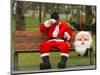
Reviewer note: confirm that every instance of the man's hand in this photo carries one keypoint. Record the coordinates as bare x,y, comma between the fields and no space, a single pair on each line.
66,35
49,22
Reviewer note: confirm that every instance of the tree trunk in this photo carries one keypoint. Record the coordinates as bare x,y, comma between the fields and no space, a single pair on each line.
40,9
44,11
33,8
88,11
20,22
78,19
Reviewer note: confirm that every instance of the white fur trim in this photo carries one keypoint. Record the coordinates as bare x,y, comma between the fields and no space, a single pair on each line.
66,35
44,54
65,54
49,22
53,20
58,40
55,32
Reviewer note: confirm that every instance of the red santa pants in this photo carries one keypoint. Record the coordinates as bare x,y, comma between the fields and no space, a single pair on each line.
46,47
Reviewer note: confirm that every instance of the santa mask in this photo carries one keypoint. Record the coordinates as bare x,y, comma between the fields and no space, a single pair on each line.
83,41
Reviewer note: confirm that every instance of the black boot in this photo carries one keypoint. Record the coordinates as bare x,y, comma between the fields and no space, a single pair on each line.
46,63
62,63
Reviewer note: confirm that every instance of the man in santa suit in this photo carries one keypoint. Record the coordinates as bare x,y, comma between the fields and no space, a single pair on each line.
59,33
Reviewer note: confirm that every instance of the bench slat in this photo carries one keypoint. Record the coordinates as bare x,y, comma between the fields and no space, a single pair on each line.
25,50
29,39
26,46
24,33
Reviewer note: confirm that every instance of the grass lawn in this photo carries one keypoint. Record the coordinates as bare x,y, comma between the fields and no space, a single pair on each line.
32,60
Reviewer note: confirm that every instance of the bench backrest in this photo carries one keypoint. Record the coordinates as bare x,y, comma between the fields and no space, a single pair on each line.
30,41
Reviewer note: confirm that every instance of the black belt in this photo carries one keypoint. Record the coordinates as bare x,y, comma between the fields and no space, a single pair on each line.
59,38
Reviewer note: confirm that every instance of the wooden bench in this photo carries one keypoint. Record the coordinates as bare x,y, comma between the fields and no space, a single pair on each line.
28,42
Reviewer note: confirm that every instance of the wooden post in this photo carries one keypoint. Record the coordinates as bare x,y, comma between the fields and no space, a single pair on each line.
91,56
15,61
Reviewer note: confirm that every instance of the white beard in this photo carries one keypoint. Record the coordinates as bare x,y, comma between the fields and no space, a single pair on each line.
79,48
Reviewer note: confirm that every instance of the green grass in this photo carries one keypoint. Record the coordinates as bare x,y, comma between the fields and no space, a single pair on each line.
32,60
32,24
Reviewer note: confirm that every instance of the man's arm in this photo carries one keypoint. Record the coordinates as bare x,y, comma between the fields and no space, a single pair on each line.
68,33
44,26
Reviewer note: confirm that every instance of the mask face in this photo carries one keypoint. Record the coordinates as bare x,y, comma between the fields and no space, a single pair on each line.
83,41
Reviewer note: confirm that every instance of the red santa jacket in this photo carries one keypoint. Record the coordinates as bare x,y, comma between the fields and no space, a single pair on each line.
63,27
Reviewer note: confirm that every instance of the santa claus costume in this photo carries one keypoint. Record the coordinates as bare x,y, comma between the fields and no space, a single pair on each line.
57,33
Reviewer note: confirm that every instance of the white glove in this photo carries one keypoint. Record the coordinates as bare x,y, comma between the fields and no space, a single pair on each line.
49,22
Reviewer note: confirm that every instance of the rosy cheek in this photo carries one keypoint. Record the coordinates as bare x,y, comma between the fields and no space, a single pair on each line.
79,39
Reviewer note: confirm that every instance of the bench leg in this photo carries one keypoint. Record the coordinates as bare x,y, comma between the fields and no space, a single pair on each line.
15,61
91,56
